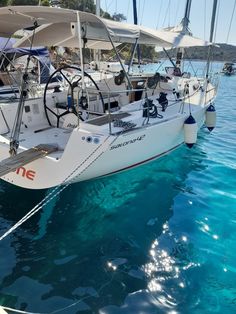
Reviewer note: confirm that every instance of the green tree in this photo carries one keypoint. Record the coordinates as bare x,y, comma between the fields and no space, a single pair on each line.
23,2
45,2
81,5
105,15
3,3
119,17
148,52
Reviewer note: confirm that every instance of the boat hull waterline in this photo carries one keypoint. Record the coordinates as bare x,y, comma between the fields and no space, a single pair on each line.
102,154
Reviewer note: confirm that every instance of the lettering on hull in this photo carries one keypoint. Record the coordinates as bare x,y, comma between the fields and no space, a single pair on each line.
139,138
28,174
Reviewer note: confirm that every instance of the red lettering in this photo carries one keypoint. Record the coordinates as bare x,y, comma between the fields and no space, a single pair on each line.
28,174
22,170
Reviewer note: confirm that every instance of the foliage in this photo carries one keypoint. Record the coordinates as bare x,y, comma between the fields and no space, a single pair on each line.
105,15
89,6
81,5
148,53
119,17
23,2
223,52
45,2
3,3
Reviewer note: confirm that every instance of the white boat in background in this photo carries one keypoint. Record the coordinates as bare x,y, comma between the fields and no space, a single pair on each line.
95,128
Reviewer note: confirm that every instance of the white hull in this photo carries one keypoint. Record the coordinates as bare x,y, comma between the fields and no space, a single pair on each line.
103,154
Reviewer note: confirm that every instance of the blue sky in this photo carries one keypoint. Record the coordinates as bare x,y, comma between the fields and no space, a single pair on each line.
162,13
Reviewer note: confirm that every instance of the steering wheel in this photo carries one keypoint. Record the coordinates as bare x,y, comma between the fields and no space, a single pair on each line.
72,81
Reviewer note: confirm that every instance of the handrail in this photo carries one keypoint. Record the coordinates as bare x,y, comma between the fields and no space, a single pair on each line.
5,120
185,98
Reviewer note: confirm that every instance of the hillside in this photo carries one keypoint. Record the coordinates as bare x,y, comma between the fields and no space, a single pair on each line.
224,52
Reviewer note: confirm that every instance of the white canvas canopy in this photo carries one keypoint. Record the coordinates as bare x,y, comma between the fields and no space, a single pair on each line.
58,27
170,39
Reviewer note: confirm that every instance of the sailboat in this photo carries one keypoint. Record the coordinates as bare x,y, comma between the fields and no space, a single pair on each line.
94,129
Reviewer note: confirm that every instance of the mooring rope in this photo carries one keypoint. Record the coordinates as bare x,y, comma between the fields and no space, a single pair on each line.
55,192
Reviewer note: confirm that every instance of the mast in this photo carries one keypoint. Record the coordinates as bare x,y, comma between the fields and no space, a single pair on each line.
213,17
185,20
98,7
135,12
136,23
185,30
96,54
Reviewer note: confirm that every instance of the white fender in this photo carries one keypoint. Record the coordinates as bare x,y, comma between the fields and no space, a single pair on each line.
210,119
190,131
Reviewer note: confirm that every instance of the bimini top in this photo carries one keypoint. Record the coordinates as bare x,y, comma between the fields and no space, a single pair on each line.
58,27
40,53
6,43
13,18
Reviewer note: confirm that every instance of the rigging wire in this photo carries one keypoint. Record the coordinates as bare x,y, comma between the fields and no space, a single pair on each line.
158,19
204,20
177,12
141,19
167,9
169,14
107,7
57,190
139,11
230,24
128,10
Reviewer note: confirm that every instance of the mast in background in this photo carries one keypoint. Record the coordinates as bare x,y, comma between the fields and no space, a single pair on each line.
96,52
136,23
185,20
185,30
213,17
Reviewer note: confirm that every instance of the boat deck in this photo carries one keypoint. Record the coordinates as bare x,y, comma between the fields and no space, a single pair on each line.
45,134
105,119
14,162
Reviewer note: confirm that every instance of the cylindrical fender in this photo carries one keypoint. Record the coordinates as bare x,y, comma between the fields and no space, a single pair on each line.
210,119
190,131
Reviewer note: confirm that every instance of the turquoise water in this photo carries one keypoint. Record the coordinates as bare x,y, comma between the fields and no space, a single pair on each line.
157,239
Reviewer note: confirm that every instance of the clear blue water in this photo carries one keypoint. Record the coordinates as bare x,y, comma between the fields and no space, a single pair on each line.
157,239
